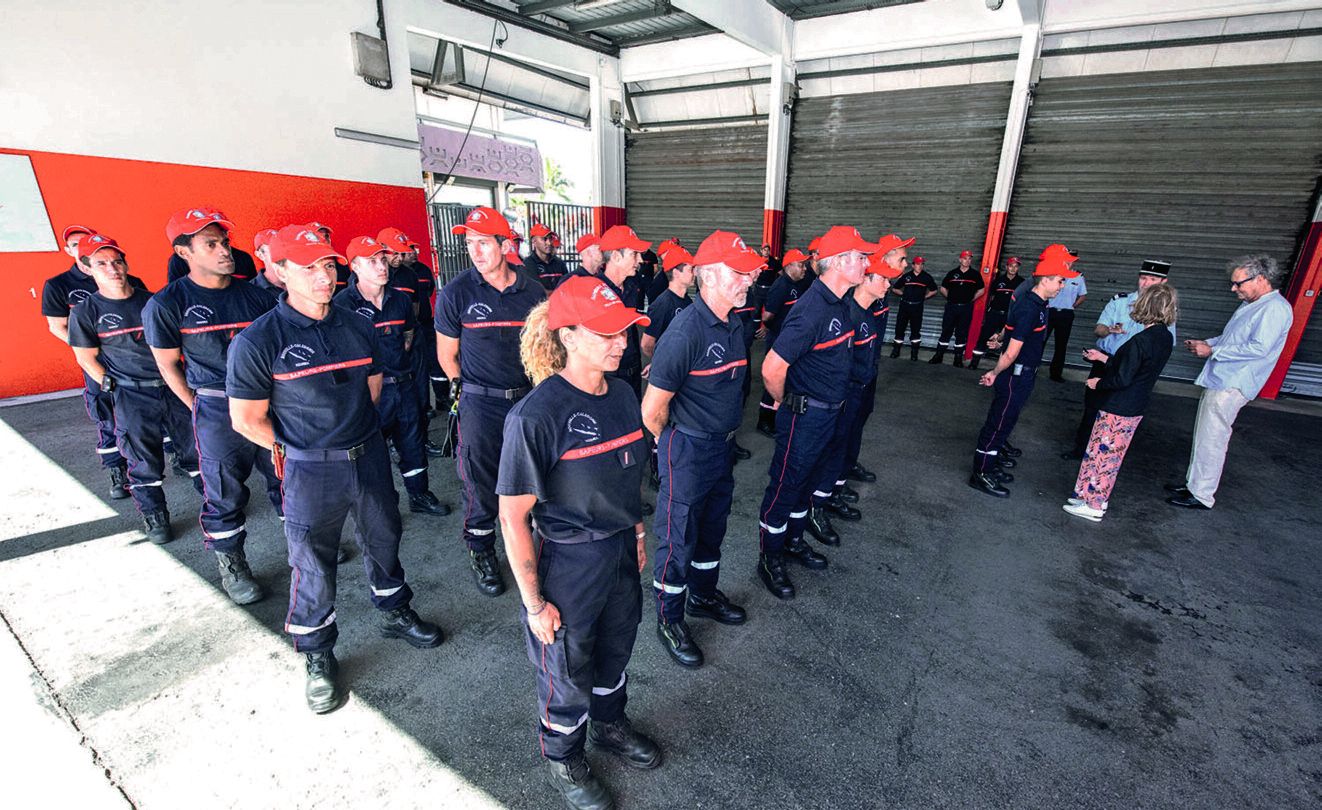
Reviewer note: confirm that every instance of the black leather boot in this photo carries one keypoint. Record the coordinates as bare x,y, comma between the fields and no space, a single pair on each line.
843,510
1001,474
717,607
938,357
819,526
913,350
861,474
323,691
678,641
846,494
1010,450
798,550
977,358
771,570
637,750
486,572
403,623
766,422
237,579
1007,462
578,785
959,358
158,527
428,504
895,352
119,483
988,483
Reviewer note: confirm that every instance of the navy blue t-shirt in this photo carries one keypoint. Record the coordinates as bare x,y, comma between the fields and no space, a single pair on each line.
201,322
868,329
61,293
913,287
313,372
784,293
114,326
747,315
1027,322
393,322
1002,290
549,272
663,310
881,310
703,361
961,285
262,283
815,341
630,293
245,269
487,323
424,289
582,456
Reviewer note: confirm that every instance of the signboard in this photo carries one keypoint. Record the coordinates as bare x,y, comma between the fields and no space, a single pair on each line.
24,226
483,157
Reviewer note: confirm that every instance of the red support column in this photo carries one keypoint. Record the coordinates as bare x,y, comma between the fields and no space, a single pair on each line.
1305,287
991,259
604,216
773,230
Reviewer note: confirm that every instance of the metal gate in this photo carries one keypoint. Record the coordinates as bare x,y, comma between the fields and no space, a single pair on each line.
451,253
687,183
568,221
1194,167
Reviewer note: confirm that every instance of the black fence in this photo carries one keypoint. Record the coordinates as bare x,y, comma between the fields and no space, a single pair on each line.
569,221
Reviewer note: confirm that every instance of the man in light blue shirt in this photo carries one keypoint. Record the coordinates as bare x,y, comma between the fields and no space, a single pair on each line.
1239,361
1060,322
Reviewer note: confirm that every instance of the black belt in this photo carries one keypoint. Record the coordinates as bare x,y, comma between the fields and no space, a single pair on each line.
357,451
122,383
800,403
702,434
498,393
211,392
398,380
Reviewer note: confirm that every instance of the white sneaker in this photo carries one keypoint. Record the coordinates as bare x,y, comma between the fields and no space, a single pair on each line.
1074,501
1085,511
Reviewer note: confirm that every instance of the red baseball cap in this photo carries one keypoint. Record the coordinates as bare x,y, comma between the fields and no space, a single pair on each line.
318,226
587,302
539,230
396,240
891,242
793,255
361,247
675,257
1013,260
555,239
814,244
302,245
622,236
842,239
263,238
666,246
919,260
727,248
1058,251
966,254
1055,267
73,229
95,242
485,221
191,220
878,267
512,255
586,241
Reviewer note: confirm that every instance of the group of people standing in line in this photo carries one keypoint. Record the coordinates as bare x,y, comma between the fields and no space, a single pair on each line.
309,368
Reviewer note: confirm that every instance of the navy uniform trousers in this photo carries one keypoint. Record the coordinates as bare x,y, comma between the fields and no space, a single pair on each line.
955,321
226,459
866,397
319,494
993,321
831,470
144,417
798,463
401,423
425,367
580,675
692,506
481,434
1012,389
910,317
100,407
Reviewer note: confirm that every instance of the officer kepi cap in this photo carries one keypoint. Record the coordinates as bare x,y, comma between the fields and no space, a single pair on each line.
587,302
191,220
73,229
362,247
396,240
1152,267
842,239
1055,267
793,255
95,242
891,242
622,236
485,221
727,248
263,238
1058,251
539,230
586,241
303,245
878,267
675,257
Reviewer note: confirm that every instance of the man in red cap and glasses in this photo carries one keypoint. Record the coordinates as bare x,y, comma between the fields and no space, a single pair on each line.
245,269
542,262
961,287
302,384
478,318
189,326
806,372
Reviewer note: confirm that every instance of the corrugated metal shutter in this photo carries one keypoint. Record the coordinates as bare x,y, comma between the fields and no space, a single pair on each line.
914,162
687,183
1194,167
1305,373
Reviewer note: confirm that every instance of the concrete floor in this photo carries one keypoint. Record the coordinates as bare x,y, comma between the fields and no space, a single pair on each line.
961,651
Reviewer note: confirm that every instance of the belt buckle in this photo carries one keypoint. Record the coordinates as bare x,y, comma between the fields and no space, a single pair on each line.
730,435
357,451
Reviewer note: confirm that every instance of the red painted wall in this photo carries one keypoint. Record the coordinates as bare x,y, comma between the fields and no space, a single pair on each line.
131,201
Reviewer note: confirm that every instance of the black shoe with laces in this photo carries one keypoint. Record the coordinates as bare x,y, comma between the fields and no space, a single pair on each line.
742,453
323,691
237,579
836,506
819,526
486,572
716,607
798,550
847,494
678,641
428,504
577,784
620,738
158,527
119,483
403,623
434,450
1010,450
988,483
771,570
861,474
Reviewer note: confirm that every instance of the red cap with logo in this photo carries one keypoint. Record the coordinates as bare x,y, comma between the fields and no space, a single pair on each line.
303,245
396,240
512,255
586,241
318,226
362,247
73,229
1012,260
675,257
666,246
842,239
966,254
618,237
727,248
919,260
485,221
191,220
539,230
263,238
891,242
793,255
1055,267
587,302
878,267
95,242
1060,252
814,244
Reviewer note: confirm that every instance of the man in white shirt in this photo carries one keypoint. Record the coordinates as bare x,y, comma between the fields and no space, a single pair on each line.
1060,322
1239,361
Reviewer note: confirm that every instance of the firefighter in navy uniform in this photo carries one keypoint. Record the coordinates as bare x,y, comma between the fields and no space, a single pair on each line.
679,270
302,381
913,288
622,251
807,372
266,279
998,306
105,331
415,279
478,318
785,291
961,287
1015,374
245,269
59,295
890,266
692,407
390,312
542,261
189,326
573,462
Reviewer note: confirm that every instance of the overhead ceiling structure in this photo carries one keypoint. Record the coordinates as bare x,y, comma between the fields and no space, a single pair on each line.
805,9
605,25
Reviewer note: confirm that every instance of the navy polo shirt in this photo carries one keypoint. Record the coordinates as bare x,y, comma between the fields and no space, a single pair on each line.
245,269
582,456
784,293
61,293
202,322
1027,322
914,286
548,272
815,341
881,310
115,328
1002,290
313,372
962,285
261,283
702,360
748,317
663,312
487,323
631,294
868,330
393,323
424,289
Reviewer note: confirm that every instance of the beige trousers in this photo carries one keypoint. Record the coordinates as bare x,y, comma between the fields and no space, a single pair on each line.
1211,435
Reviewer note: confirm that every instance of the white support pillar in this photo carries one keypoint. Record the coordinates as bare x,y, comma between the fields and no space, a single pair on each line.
779,117
607,91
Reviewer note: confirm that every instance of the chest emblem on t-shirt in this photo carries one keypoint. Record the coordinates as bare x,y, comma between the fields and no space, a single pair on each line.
715,353
200,314
793,293
584,425
479,311
366,312
76,297
110,320
834,326
298,353
863,329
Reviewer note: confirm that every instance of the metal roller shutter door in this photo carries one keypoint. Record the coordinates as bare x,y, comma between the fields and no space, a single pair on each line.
914,162
1192,166
687,183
